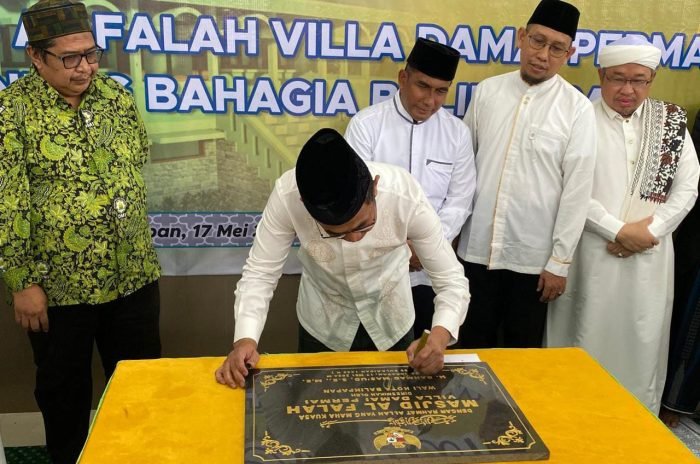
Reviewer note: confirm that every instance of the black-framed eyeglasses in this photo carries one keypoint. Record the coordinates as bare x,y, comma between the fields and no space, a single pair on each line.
361,230
73,60
621,82
538,43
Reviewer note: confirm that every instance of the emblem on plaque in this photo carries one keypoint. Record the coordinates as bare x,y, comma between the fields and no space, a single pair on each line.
396,437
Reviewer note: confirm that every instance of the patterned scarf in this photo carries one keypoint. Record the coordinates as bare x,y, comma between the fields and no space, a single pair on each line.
663,133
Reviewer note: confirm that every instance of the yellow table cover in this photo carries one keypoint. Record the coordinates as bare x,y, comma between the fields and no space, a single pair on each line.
173,411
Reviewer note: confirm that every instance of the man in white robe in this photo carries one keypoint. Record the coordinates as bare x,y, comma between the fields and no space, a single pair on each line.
618,306
534,138
414,131
352,220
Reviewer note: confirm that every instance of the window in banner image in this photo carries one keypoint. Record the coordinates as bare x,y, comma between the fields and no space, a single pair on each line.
177,151
11,58
247,66
181,66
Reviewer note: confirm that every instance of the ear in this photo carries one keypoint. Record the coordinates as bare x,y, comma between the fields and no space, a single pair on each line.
571,51
403,77
522,35
35,56
601,73
375,183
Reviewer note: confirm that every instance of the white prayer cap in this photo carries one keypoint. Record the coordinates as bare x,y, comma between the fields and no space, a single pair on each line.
630,49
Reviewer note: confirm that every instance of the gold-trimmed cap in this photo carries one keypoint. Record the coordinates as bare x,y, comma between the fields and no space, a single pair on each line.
48,19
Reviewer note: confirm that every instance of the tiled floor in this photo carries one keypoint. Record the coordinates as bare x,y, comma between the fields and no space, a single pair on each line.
27,455
689,433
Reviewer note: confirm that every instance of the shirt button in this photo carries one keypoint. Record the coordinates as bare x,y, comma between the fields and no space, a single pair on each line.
525,100
630,142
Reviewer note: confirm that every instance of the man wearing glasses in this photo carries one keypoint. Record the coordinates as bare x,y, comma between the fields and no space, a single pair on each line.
646,179
75,246
534,138
352,220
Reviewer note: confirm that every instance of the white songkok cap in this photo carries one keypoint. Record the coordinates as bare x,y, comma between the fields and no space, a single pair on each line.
630,49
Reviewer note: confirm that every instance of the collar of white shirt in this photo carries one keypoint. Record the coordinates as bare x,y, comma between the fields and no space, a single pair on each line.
612,114
402,111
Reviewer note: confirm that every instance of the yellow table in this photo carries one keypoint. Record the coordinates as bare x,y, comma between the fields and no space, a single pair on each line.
173,411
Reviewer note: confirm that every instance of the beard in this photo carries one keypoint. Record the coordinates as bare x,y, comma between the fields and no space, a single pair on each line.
531,80
626,114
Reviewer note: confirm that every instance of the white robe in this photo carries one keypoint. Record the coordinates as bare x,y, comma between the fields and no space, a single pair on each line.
619,310
535,152
438,152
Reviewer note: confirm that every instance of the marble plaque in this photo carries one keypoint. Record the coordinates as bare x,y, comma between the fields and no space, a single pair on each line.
381,413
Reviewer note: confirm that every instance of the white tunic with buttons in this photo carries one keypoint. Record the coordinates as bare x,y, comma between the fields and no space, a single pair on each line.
438,152
535,151
347,283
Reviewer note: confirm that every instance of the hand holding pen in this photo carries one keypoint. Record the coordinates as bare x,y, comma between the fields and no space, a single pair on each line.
421,344
427,354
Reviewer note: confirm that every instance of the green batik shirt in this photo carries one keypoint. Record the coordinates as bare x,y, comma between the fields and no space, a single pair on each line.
73,213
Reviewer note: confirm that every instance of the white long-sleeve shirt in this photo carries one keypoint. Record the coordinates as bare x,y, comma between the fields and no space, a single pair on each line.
346,283
535,153
438,152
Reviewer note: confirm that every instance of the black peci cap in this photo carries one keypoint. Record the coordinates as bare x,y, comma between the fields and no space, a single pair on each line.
557,15
434,59
332,179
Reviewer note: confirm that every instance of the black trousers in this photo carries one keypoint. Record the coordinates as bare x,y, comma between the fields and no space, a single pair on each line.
423,304
126,328
505,309
362,342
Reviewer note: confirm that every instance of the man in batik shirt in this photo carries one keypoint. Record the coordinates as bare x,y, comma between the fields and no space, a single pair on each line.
75,246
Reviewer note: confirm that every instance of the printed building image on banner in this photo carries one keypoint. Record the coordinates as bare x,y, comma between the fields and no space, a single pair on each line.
231,89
